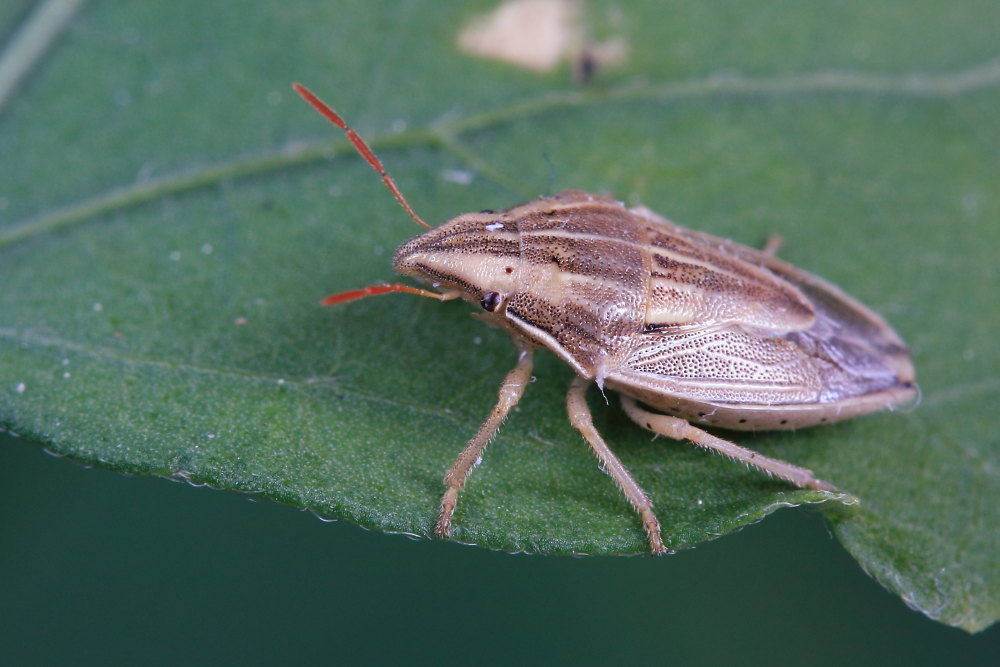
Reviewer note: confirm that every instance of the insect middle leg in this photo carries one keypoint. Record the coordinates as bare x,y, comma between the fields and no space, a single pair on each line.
579,416
773,244
509,395
680,429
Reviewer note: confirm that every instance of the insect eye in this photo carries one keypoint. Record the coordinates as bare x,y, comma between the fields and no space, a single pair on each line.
491,301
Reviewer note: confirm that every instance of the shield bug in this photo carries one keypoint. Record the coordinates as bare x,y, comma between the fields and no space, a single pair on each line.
691,330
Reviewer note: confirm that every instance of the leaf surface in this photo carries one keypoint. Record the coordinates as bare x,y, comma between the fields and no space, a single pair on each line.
171,214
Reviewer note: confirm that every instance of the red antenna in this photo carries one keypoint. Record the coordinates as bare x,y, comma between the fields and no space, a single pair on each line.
362,147
370,158
374,290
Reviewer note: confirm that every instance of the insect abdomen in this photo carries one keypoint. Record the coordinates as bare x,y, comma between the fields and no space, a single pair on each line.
736,374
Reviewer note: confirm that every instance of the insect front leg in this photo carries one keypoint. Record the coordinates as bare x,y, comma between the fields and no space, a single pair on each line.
680,429
509,395
579,416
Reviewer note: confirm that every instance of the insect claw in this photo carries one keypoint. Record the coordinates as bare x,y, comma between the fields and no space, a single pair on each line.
820,485
448,502
655,541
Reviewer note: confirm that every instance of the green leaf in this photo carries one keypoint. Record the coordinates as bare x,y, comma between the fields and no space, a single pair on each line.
170,216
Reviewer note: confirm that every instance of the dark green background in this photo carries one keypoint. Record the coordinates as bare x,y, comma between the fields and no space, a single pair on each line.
101,568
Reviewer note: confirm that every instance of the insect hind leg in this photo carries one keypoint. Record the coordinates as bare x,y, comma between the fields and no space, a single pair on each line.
579,416
680,429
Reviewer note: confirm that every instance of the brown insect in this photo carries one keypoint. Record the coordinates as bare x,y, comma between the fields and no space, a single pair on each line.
702,330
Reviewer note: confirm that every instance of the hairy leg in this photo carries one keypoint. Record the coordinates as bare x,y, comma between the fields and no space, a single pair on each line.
579,416
680,429
509,395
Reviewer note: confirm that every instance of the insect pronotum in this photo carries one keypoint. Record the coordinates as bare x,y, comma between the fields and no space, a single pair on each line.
686,327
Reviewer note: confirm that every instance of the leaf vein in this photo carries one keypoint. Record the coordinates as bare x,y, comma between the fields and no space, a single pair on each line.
442,133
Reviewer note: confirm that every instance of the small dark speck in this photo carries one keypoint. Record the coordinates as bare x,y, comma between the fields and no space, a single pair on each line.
743,421
783,422
586,67
488,211
508,269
